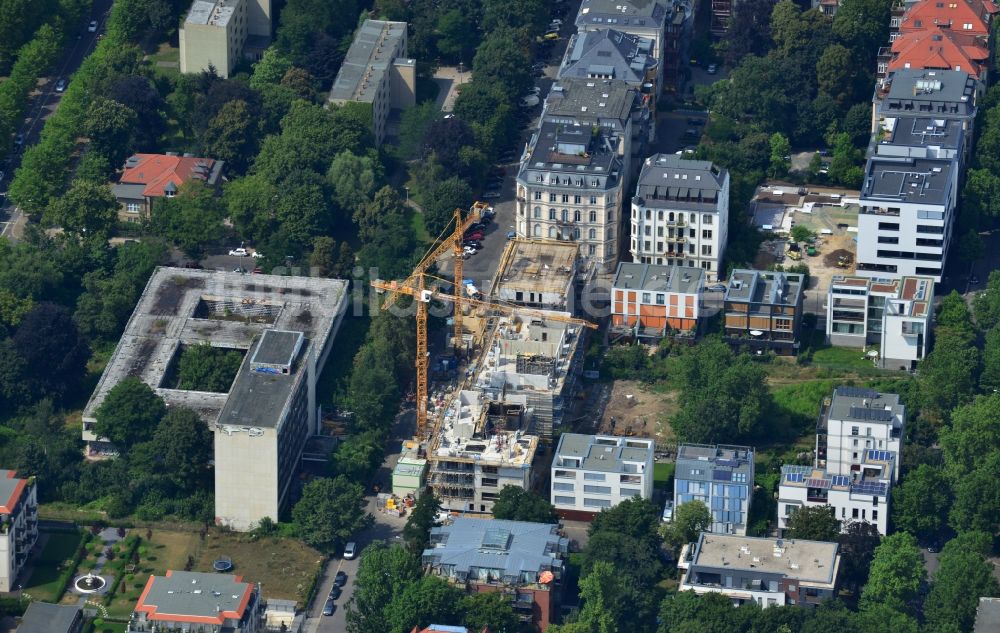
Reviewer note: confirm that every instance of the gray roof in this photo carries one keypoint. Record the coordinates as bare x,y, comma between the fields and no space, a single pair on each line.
604,453
865,405
917,180
922,131
815,561
710,459
189,593
576,151
128,191
672,182
987,616
624,14
656,278
608,52
211,12
42,617
759,286
277,347
259,396
375,46
947,93
607,102
512,547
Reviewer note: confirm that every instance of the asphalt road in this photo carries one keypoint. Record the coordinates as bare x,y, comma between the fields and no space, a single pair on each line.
42,103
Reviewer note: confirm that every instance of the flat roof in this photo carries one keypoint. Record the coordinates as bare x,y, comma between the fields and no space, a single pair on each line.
277,347
601,100
917,131
797,476
668,181
375,46
258,395
211,12
42,617
195,597
464,433
807,561
604,453
917,293
183,306
576,151
515,548
713,462
658,278
987,616
857,404
648,14
916,180
539,266
766,287
929,92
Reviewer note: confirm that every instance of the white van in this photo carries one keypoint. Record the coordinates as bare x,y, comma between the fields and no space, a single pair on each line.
350,550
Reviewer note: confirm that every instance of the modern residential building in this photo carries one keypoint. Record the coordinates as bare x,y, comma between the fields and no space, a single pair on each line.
481,447
377,71
537,274
679,29
608,53
42,617
570,187
855,420
594,472
646,19
18,526
719,476
911,136
860,496
941,94
763,310
680,214
285,327
523,560
194,601
937,48
907,216
147,177
987,616
893,314
220,34
648,301
770,572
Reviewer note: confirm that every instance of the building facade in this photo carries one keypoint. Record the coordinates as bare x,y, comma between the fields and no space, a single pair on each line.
853,421
719,476
18,526
523,560
938,94
593,472
378,72
42,617
220,34
680,214
763,570
537,274
894,314
148,177
648,301
763,310
198,603
646,19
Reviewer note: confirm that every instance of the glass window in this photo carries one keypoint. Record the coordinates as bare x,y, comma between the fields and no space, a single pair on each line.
596,503
552,214
562,485
593,476
601,490
568,501
631,492
592,234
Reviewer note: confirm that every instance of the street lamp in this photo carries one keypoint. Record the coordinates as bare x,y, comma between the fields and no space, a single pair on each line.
407,189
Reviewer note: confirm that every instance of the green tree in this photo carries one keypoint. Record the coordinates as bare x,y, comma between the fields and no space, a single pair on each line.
110,126
301,82
358,456
690,520
989,380
354,180
331,260
947,376
250,205
981,196
88,207
844,167
527,16
129,414
602,594
897,572
972,436
457,36
986,305
502,59
383,575
963,576
802,233
858,542
54,355
183,443
837,73
417,532
426,601
202,367
780,155
231,136
492,609
517,504
270,69
953,312
920,503
385,233
815,523
330,512
191,219
977,498
864,26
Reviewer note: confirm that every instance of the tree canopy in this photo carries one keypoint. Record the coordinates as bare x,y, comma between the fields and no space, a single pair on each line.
330,512
517,504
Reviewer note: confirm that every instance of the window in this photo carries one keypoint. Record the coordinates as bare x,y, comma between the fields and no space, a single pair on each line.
564,474
552,214
565,215
490,482
538,230
888,226
576,215
538,213
593,200
706,219
631,492
706,234
854,513
552,232
600,490
596,503
576,199
538,195
552,197
566,501
855,430
565,198
592,234
661,299
591,250
593,216
133,207
562,485
874,515
593,476
885,239
646,297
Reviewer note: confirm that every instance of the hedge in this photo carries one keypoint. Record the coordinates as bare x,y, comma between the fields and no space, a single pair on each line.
118,565
70,572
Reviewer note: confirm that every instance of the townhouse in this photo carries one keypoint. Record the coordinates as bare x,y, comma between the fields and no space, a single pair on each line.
719,476
648,301
593,472
763,310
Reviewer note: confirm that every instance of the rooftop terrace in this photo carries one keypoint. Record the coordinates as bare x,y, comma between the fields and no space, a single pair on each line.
807,561
539,266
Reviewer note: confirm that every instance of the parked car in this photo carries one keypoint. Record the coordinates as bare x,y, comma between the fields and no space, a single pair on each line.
511,235
256,254
712,69
92,27
556,21
491,195
716,288
335,592
340,579
19,140
60,85
329,607
530,101
350,550
473,244
474,237
487,220
238,252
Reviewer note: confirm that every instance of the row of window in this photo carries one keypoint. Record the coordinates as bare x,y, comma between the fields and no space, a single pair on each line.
930,257
566,180
564,216
565,198
706,218
647,230
921,228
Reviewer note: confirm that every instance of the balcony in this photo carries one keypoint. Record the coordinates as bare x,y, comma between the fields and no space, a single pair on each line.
883,211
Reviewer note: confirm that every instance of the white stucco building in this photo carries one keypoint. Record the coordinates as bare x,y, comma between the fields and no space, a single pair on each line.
854,420
594,472
18,525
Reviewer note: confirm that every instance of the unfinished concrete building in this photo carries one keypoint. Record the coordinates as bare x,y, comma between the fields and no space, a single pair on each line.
481,447
537,274
284,326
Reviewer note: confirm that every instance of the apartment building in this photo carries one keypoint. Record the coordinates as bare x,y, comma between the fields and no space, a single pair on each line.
680,214
593,472
894,314
18,526
220,34
148,177
770,572
42,617
570,187
520,559
969,17
537,274
377,71
855,420
763,310
719,476
911,136
938,94
194,601
680,26
907,216
937,48
648,301
646,19
481,447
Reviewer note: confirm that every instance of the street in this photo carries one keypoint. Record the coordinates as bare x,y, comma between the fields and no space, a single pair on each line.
42,103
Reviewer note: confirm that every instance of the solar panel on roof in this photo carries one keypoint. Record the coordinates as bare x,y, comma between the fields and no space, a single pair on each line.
731,463
721,475
856,392
818,483
841,480
870,488
795,478
874,415
878,456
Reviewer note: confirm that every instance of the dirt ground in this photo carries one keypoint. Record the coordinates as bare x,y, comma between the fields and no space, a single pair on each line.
638,411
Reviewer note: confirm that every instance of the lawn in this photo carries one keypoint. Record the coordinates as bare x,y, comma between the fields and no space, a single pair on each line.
663,472
417,225
164,550
44,583
166,60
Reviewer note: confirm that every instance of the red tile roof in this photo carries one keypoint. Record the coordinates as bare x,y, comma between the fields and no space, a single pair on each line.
937,48
953,14
15,494
156,171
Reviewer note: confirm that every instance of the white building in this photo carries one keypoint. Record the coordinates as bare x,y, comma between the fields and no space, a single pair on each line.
18,525
719,476
894,314
642,18
680,214
853,421
861,496
594,472
221,33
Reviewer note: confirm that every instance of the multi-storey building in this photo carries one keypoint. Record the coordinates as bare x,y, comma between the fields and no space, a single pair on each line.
719,476
570,187
855,420
222,33
907,216
911,136
680,214
537,274
969,17
936,48
763,310
895,314
520,559
148,177
938,94
377,71
722,13
642,18
679,23
766,571
593,472
18,525
648,300
197,602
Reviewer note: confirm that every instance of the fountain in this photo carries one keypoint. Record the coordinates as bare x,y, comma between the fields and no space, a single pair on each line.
89,583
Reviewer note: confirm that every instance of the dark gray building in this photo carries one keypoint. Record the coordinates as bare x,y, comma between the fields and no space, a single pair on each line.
42,617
